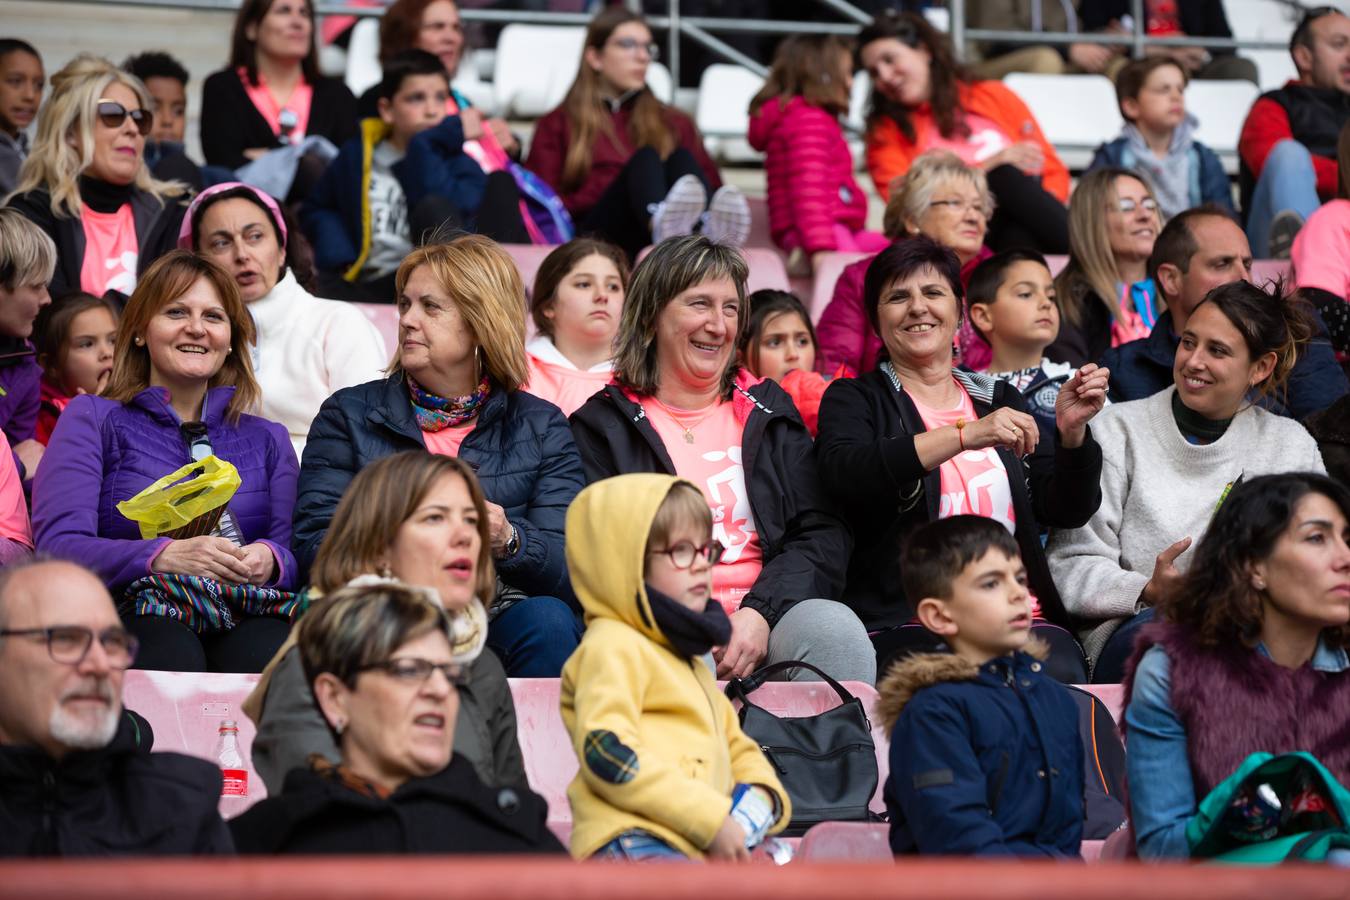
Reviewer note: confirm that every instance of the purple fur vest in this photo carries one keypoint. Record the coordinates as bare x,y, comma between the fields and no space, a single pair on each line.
1234,702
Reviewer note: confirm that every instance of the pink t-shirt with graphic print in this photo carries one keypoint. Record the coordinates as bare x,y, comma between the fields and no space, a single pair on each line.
713,462
986,139
974,482
111,250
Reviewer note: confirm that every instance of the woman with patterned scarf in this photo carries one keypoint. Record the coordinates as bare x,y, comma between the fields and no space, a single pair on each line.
454,389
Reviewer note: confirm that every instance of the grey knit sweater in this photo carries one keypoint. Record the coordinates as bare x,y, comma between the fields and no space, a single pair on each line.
1156,490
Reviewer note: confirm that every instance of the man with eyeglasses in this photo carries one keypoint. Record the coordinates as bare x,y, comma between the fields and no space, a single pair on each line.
1288,142
74,778
1198,250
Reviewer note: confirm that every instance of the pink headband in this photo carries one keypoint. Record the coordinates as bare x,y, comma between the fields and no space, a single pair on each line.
185,230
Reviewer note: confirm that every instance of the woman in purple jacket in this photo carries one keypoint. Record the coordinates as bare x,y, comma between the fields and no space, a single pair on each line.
180,383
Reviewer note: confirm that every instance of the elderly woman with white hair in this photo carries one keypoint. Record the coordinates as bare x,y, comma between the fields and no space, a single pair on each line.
943,198
86,183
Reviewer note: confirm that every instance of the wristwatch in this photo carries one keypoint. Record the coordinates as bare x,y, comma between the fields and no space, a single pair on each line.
513,544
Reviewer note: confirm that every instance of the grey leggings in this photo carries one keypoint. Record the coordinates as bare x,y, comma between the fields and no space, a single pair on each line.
828,635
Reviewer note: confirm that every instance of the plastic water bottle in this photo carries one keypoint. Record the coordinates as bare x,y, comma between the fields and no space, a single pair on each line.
234,789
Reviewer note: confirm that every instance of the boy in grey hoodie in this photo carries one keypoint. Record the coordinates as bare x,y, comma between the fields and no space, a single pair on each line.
1158,141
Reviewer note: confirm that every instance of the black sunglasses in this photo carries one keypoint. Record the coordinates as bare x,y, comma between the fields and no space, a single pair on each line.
113,114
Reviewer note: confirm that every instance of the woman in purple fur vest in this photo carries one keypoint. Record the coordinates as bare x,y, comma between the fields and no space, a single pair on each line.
1250,654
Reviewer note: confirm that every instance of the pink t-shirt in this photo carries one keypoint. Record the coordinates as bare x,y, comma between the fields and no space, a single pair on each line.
985,139
1321,251
447,441
713,462
111,250
566,387
263,101
14,522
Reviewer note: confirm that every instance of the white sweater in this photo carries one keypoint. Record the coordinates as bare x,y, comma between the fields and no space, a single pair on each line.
1157,489
307,349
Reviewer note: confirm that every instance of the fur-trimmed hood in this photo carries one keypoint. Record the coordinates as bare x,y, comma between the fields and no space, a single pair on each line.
912,674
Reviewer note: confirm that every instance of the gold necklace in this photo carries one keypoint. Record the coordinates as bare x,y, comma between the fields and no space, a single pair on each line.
688,429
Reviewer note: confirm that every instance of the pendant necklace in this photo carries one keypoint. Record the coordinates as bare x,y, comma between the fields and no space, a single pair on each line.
688,429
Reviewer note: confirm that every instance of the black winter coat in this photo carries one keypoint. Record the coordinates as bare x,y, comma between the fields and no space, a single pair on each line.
118,801
521,449
157,222
803,540
865,445
231,123
449,812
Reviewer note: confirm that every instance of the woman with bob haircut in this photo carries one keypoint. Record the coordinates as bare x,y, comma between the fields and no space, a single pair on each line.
630,169
386,668
1105,295
181,382
1168,460
923,99
681,404
86,183
454,388
27,261
1249,655
409,516
576,303
949,201
917,439
271,94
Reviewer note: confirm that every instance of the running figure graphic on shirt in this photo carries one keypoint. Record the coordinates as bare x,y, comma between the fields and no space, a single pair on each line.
978,486
727,488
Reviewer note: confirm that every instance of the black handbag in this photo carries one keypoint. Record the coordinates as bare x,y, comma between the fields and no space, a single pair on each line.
827,762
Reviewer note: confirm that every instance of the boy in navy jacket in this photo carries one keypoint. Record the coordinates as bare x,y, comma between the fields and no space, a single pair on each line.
985,754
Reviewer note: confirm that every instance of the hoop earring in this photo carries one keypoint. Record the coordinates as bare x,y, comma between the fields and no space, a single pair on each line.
478,365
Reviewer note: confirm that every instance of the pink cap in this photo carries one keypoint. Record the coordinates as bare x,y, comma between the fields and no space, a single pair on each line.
185,230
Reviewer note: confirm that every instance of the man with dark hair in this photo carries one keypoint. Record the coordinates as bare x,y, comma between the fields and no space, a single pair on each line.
1197,251
75,779
1288,142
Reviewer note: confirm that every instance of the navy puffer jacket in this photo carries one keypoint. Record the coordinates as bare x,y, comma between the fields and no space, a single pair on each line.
521,448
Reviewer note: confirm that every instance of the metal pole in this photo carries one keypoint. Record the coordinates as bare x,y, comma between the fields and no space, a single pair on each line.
1137,12
958,27
848,11
717,45
674,47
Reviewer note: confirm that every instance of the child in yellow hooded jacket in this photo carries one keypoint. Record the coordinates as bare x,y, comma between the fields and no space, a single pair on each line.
665,768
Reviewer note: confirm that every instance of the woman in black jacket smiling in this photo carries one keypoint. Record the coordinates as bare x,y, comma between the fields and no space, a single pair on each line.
681,405
455,390
916,440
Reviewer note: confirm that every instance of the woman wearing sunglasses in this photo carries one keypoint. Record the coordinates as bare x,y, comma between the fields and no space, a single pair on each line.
1106,296
386,673
87,186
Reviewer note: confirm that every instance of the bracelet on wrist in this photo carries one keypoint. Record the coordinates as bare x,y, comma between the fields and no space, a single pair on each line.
961,432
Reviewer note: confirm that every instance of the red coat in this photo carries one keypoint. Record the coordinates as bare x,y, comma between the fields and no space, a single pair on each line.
810,175
553,135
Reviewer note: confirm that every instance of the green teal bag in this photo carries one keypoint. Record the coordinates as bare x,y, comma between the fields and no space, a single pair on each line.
1272,809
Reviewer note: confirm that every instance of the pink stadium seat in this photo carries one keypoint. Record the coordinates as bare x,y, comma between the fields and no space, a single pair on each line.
528,258
846,842
385,317
831,266
185,710
550,761
759,223
767,271
1111,695
1264,270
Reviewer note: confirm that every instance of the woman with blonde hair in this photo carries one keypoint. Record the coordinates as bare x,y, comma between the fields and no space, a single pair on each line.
86,183
630,168
1105,295
454,388
410,516
27,261
943,198
181,383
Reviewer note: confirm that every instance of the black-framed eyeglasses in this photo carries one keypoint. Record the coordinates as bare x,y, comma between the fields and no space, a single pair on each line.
412,670
287,121
69,644
633,45
683,554
1128,205
113,114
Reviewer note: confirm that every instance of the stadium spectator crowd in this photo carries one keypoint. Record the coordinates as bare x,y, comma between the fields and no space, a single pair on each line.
987,469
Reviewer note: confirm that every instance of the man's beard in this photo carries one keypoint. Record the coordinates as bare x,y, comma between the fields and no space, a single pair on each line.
90,731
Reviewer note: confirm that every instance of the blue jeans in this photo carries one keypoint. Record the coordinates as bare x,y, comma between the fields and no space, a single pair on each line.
638,846
1287,182
533,637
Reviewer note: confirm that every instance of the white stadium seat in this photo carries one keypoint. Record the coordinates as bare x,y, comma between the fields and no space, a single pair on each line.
363,56
1221,107
535,66
1076,112
724,95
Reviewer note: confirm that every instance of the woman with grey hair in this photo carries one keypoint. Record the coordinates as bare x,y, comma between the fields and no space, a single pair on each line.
27,260
681,405
385,669
86,183
943,198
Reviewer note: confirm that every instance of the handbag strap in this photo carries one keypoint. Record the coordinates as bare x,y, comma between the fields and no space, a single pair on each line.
741,688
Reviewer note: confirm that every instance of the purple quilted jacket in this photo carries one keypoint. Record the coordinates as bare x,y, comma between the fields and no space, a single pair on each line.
103,452
19,378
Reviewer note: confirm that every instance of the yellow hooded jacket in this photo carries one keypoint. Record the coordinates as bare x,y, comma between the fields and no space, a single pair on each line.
659,745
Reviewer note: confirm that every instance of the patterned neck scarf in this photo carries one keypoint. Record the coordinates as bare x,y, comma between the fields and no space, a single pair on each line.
437,413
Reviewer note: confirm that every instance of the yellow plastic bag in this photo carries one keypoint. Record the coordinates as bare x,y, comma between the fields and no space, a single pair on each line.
186,503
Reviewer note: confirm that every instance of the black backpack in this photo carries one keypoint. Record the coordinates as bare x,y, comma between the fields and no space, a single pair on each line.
1103,767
